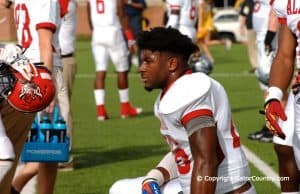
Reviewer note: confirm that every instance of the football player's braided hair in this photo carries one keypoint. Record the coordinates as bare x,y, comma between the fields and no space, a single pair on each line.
167,39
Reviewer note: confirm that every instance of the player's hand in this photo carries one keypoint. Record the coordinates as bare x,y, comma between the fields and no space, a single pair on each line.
274,111
296,85
150,186
24,67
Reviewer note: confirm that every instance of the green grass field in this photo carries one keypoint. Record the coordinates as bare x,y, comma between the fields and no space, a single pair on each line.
120,148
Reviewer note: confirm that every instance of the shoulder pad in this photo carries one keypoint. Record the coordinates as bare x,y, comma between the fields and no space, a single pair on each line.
184,91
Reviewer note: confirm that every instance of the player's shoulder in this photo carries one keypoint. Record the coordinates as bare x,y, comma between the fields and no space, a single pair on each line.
185,90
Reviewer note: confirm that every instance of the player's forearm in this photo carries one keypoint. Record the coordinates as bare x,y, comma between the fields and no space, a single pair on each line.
203,175
46,50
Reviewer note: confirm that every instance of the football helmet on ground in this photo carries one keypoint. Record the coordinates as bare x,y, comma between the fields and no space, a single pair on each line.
200,63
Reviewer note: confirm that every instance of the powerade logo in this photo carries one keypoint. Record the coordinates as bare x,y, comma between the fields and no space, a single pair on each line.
44,152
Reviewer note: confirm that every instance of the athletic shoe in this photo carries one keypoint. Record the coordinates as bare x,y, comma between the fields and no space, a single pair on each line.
127,110
267,137
101,113
258,134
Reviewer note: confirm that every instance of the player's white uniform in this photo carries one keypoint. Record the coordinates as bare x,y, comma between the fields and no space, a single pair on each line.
288,13
31,15
187,17
260,19
67,34
189,97
107,37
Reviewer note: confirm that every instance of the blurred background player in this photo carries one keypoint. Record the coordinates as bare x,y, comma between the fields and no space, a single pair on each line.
134,10
108,21
197,145
246,29
37,31
182,15
285,127
67,41
265,43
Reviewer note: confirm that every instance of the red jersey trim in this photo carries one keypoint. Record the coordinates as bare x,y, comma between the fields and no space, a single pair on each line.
196,113
271,2
282,20
47,25
63,7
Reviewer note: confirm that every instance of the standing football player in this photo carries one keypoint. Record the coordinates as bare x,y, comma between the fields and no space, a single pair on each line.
195,118
37,32
182,15
108,22
286,128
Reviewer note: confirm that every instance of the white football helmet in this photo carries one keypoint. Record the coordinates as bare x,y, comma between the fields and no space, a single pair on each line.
201,63
263,70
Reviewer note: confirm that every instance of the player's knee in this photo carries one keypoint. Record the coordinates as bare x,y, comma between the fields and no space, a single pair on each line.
117,187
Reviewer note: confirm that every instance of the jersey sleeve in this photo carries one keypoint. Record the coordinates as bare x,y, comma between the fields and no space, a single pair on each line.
198,115
279,10
47,18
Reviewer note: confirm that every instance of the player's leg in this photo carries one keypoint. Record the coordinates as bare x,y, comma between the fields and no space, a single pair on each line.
7,154
17,125
284,150
46,178
101,62
118,52
29,170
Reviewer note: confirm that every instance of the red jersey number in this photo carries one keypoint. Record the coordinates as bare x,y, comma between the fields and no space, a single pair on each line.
182,160
100,6
22,23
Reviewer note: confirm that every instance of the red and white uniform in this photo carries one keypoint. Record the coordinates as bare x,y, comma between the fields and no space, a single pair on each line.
260,18
67,33
187,17
31,15
107,37
178,108
288,13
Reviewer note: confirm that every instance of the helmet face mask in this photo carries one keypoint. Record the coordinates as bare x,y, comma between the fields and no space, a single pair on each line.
7,81
34,95
201,63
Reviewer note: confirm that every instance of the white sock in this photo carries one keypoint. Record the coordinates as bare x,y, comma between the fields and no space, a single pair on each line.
5,166
99,96
124,95
290,192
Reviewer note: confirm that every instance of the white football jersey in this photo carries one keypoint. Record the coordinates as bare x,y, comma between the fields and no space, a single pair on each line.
260,15
188,11
31,15
104,13
288,13
67,34
189,97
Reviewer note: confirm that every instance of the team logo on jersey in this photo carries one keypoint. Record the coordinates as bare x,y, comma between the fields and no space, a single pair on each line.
30,92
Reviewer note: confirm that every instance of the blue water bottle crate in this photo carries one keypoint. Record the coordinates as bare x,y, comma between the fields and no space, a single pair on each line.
47,140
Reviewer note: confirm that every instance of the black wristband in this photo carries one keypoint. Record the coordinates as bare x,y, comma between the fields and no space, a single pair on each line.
269,37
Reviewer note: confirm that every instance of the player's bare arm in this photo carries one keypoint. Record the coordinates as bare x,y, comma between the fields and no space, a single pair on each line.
89,15
5,3
45,44
203,145
283,65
